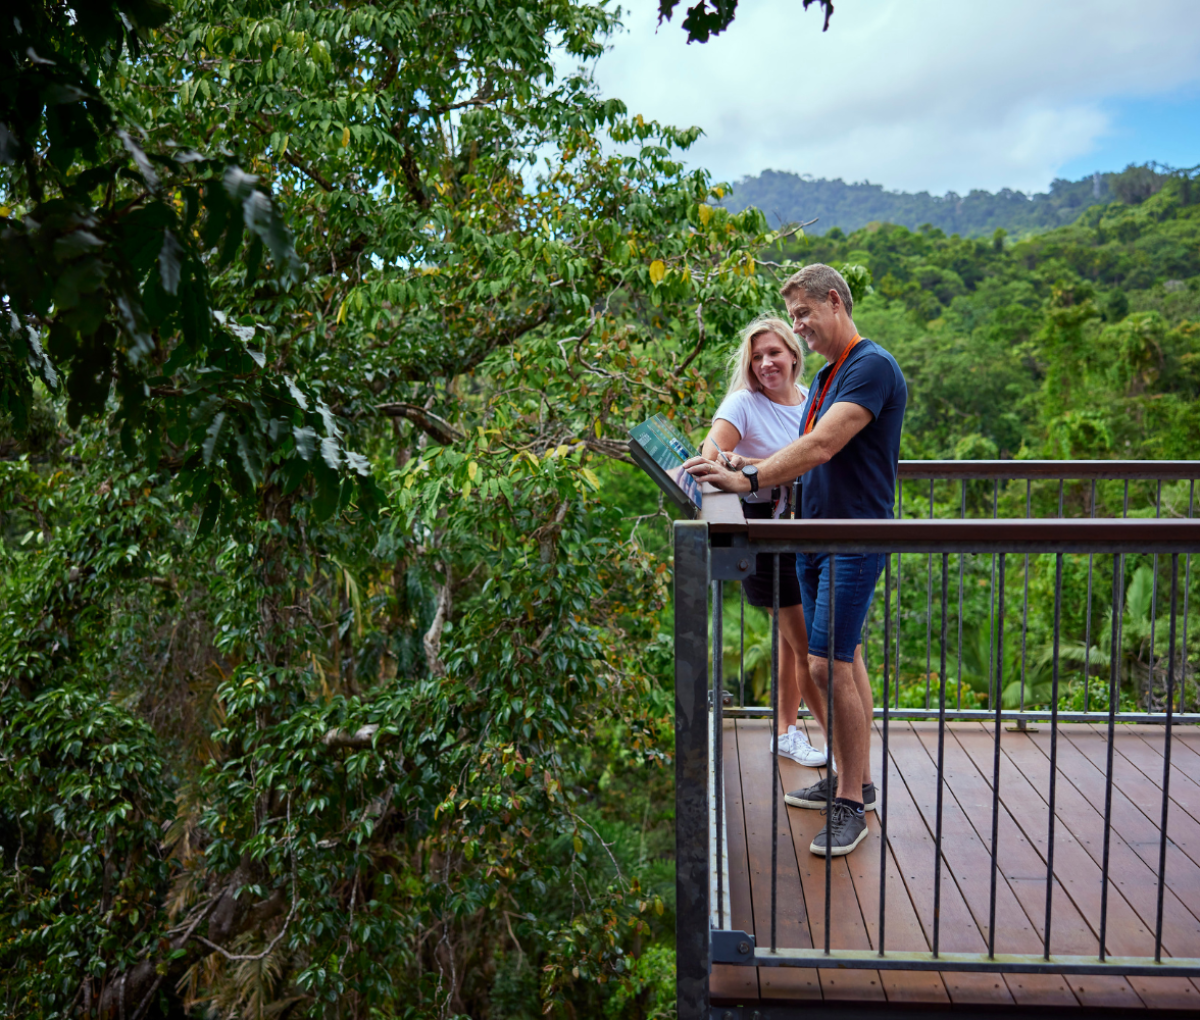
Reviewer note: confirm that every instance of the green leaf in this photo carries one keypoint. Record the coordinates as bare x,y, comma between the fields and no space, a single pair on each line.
250,458
212,508
306,441
253,259
213,437
169,262
139,157
297,394
330,452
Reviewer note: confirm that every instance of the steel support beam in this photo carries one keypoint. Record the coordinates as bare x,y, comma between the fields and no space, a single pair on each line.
692,865
1001,963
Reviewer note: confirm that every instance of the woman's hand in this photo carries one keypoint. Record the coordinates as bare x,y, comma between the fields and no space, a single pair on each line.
711,451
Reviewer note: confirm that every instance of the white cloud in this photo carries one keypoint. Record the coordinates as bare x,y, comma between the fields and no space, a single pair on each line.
938,95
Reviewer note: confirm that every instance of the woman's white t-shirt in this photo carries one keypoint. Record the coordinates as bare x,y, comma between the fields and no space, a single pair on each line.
765,427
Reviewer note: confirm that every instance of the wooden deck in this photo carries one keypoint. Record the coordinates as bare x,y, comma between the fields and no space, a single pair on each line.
1020,901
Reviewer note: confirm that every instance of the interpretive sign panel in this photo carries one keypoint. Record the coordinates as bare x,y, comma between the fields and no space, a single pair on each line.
660,449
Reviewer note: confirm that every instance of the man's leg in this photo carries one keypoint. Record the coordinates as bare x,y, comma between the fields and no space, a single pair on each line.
850,741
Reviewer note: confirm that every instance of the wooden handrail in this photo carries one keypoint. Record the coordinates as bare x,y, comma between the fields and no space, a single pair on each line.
1167,470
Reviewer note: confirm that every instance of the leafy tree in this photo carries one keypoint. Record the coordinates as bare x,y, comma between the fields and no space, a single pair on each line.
711,17
336,673
101,241
411,641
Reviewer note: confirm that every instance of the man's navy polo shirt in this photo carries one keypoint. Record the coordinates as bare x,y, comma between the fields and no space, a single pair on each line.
859,481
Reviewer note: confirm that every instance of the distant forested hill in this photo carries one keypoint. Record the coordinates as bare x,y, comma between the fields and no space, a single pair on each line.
1079,342
790,198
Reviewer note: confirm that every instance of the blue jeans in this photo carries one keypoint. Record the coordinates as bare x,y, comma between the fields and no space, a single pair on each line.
853,591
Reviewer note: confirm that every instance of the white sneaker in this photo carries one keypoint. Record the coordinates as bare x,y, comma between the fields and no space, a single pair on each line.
795,745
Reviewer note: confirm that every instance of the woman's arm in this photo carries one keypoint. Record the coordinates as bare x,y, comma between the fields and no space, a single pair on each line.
724,436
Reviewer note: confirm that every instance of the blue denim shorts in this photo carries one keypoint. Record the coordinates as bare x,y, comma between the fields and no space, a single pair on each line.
853,591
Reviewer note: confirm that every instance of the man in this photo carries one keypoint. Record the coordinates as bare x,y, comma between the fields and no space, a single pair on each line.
847,453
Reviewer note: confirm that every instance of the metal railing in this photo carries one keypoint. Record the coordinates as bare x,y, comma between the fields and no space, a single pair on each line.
1090,514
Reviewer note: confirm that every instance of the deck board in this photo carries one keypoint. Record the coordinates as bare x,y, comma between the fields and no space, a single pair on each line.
791,920
912,850
1024,821
1021,888
902,927
968,861
729,983
1077,866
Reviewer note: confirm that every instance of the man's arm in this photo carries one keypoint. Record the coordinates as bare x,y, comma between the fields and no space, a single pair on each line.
840,424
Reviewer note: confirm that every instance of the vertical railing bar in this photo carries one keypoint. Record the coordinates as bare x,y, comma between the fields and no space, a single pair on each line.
1187,582
774,737
830,661
961,568
1153,606
941,762
993,678
866,638
1058,578
1024,630
996,772
1125,502
718,696
1060,496
1087,625
1166,783
742,648
1114,696
900,514
929,609
882,809
1025,604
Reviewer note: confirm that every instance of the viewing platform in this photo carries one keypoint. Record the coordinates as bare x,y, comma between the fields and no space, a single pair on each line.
1037,840
966,849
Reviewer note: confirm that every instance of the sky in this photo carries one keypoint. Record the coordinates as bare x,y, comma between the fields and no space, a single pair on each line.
923,95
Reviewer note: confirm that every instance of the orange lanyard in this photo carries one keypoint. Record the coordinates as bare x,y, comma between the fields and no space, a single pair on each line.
811,421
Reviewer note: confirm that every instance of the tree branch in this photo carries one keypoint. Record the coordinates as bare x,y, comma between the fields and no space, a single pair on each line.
433,637
700,342
431,424
360,738
308,171
263,911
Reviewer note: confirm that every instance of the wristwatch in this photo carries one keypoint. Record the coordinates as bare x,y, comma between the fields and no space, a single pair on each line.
751,472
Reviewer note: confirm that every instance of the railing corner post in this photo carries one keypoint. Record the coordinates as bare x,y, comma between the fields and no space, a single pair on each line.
692,865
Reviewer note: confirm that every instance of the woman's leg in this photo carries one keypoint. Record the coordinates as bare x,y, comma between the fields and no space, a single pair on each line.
795,643
789,688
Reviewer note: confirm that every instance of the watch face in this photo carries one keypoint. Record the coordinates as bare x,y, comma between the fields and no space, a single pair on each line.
750,469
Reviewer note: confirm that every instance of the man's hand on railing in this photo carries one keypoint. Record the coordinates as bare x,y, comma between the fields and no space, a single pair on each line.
718,475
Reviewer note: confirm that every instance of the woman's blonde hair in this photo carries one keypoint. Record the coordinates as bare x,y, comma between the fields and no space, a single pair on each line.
741,370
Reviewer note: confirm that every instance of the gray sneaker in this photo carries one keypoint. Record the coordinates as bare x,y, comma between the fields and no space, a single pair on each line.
817,796
844,830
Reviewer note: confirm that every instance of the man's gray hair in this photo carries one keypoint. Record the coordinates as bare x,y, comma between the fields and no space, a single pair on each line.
816,281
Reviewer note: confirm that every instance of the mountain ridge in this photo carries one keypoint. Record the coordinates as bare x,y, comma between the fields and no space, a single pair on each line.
788,197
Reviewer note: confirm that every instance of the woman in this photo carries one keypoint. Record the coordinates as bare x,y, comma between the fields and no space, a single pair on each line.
761,414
